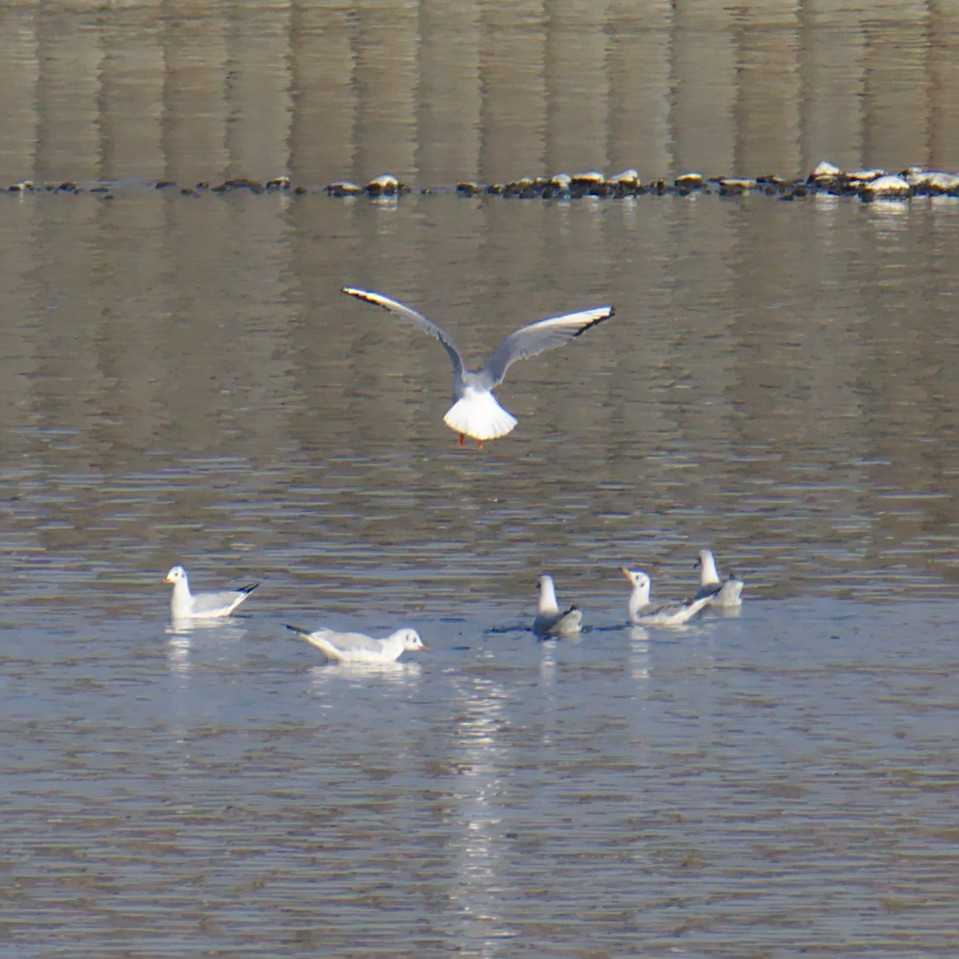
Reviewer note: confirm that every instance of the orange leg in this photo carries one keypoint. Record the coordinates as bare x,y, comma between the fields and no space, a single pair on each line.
479,444
462,439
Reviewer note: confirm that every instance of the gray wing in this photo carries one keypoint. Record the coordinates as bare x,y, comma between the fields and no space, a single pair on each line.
377,299
538,337
209,602
351,642
347,642
707,591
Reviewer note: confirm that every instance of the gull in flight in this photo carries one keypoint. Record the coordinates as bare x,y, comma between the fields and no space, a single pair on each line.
728,594
549,620
641,613
475,412
187,605
359,648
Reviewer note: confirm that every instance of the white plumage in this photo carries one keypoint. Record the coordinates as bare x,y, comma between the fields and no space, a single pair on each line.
723,594
187,605
359,648
550,620
642,613
475,412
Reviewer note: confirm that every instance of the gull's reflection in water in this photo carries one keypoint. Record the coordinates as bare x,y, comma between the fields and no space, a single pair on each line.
481,752
179,645
639,652
548,648
727,612
398,673
227,628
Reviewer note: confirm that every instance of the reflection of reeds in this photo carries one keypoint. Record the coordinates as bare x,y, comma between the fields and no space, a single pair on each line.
465,91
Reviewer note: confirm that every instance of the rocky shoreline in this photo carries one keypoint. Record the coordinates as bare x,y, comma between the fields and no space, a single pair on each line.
826,178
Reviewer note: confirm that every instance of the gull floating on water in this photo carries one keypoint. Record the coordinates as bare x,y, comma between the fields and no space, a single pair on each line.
641,613
549,620
359,648
475,412
186,605
726,594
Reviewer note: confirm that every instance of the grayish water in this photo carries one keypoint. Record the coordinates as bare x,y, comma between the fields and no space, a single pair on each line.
182,381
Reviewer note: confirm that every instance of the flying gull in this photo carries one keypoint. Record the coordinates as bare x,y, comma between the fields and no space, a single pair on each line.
475,412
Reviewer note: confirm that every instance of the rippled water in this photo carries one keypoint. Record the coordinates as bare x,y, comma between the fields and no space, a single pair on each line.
182,382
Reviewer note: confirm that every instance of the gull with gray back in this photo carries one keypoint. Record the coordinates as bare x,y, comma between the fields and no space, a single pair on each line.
724,594
187,605
475,412
643,613
550,620
358,648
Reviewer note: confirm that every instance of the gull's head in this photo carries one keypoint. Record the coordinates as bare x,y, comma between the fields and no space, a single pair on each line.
544,582
177,574
635,577
411,640
640,582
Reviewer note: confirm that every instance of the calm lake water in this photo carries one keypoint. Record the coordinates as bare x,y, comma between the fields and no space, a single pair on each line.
182,382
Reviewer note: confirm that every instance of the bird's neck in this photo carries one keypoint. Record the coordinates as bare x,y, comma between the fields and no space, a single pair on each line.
547,598
180,600
709,575
638,598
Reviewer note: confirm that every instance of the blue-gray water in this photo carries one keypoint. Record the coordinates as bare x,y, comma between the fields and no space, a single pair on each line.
182,382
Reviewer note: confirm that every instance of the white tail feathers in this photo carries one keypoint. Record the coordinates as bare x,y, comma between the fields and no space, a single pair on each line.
478,415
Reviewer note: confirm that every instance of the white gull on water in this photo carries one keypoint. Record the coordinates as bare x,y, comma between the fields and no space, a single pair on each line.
642,613
550,621
475,412
726,594
187,605
360,648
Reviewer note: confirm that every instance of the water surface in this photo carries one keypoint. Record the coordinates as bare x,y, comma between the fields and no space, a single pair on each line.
182,382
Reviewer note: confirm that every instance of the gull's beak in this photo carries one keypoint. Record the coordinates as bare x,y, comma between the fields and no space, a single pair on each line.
166,579
626,573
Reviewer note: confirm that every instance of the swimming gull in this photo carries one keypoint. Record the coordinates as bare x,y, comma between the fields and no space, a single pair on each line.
475,412
726,594
186,605
549,620
641,613
359,648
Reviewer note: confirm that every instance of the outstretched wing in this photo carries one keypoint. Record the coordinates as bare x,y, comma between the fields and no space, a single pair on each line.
377,299
544,335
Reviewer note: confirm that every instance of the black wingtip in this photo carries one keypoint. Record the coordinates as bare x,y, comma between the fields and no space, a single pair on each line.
711,590
597,321
248,589
297,629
